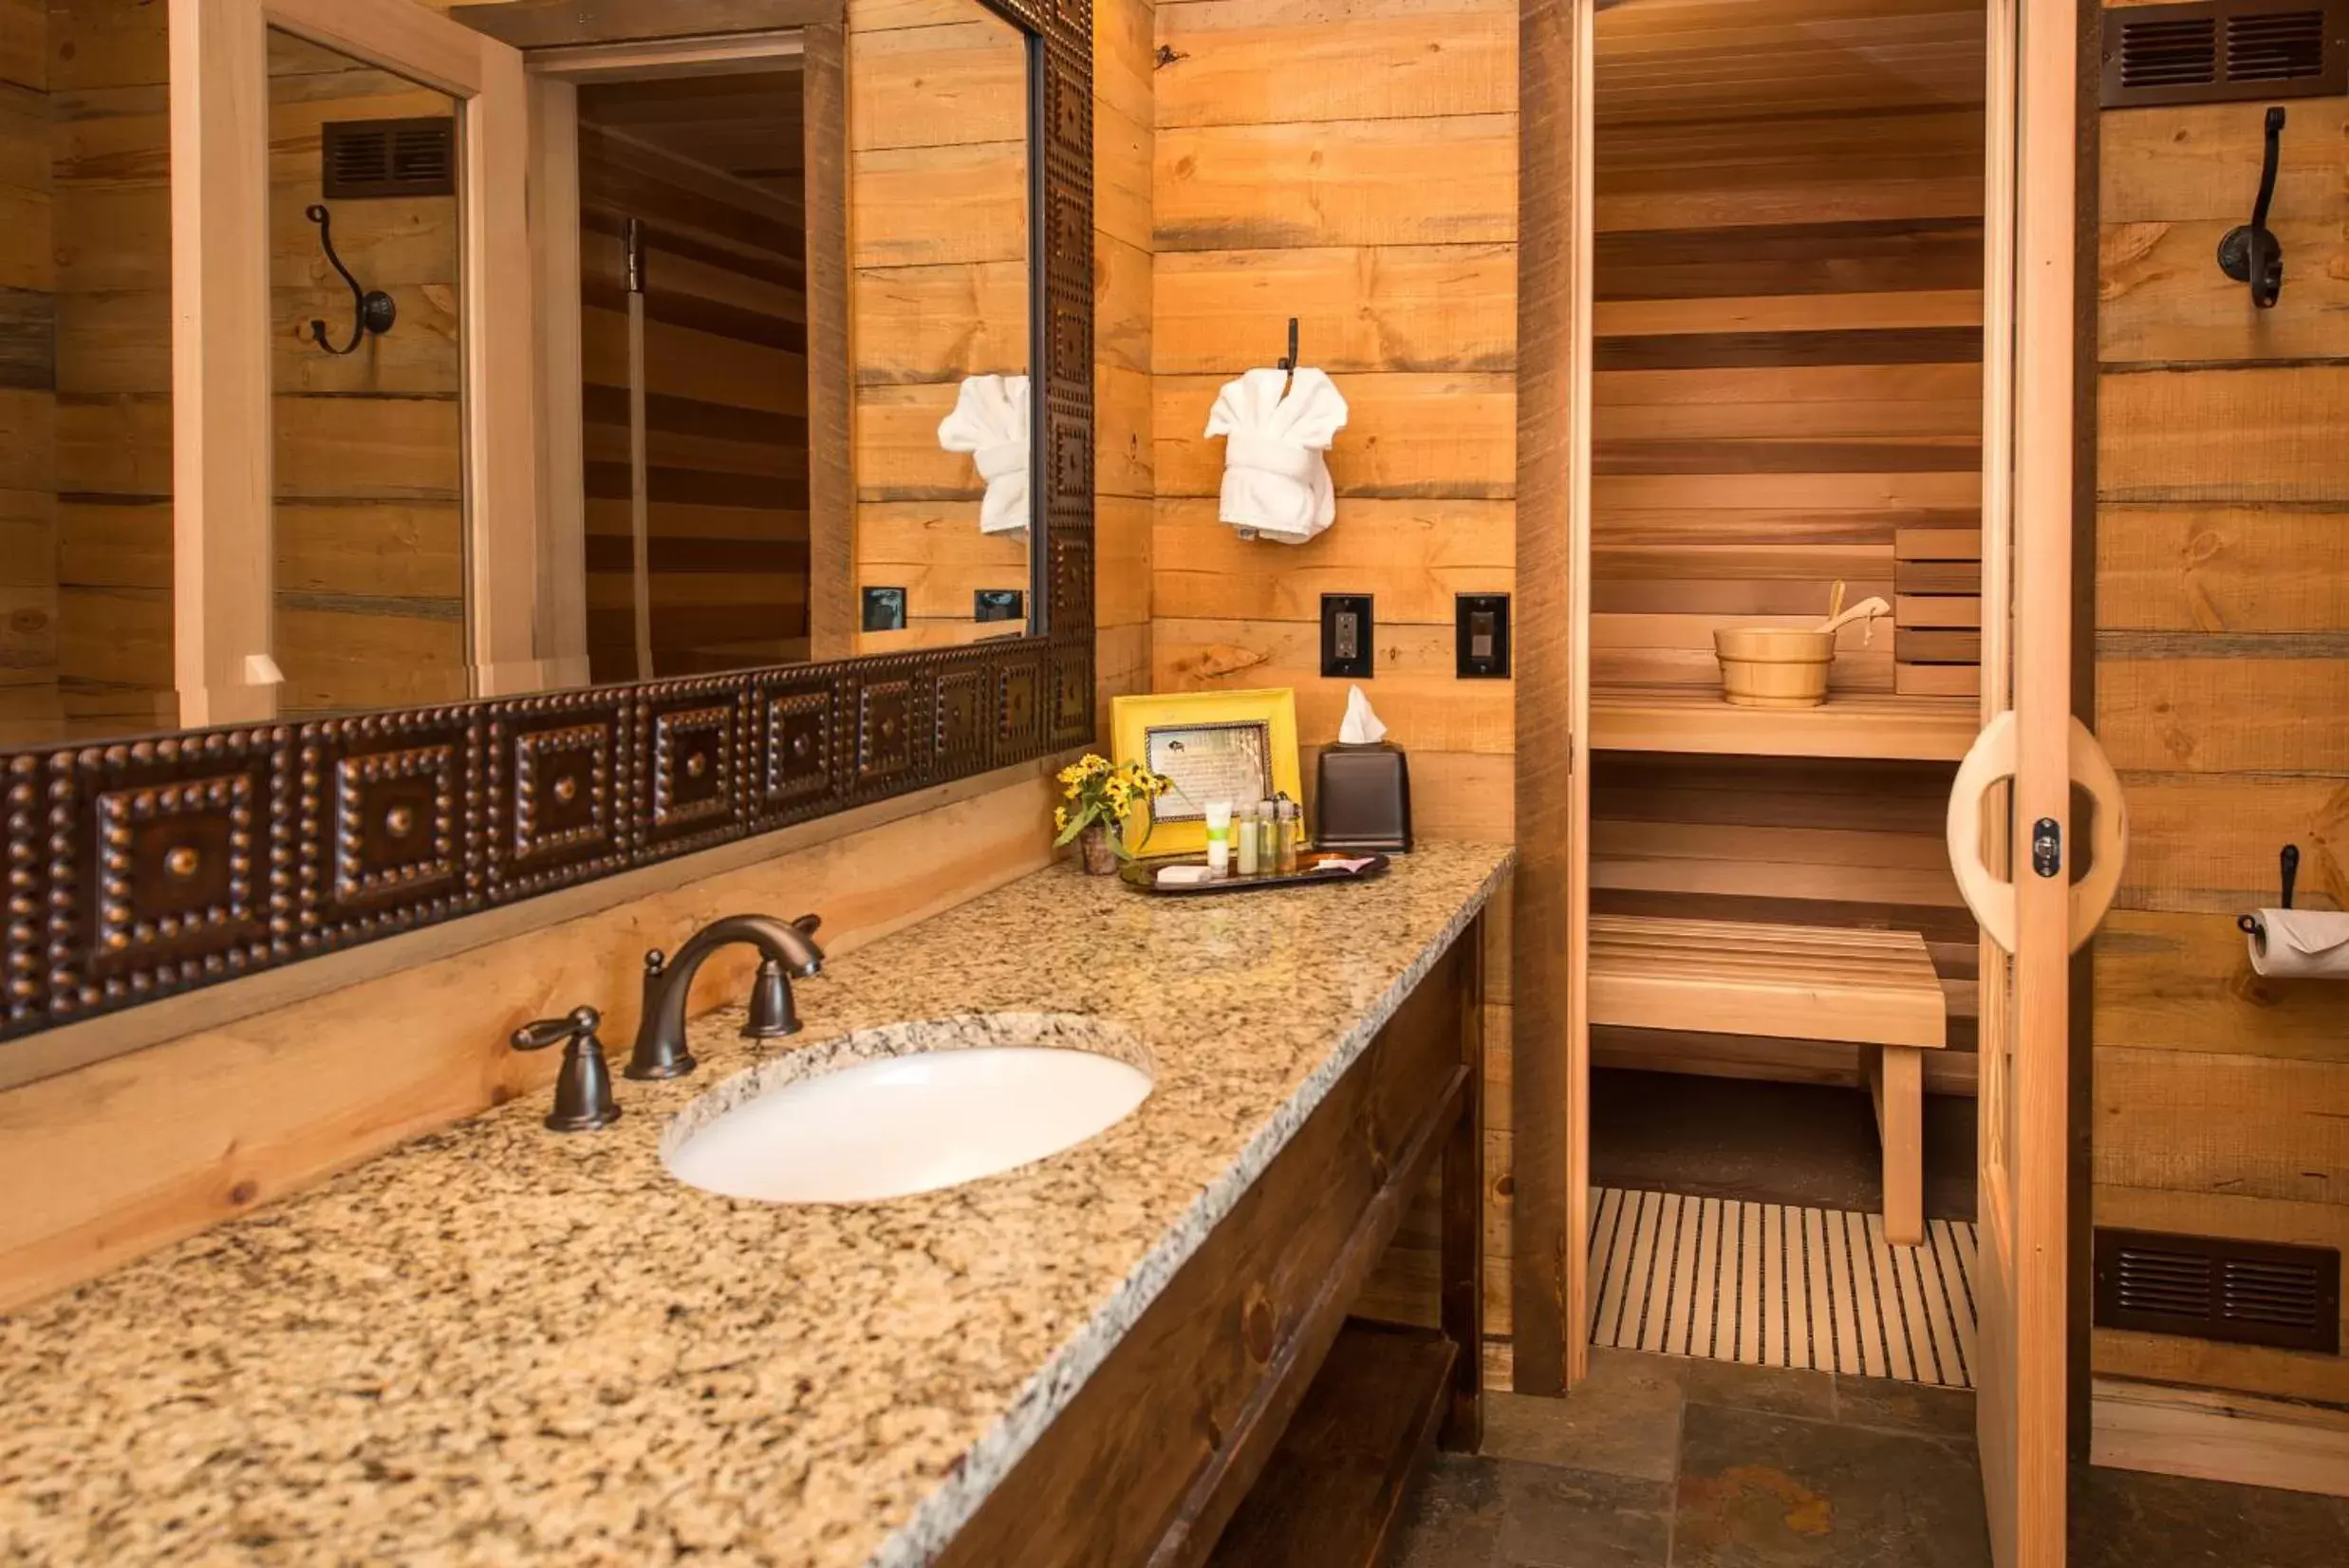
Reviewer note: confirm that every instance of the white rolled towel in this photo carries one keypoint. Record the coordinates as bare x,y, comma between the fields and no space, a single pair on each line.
2303,943
1275,484
989,421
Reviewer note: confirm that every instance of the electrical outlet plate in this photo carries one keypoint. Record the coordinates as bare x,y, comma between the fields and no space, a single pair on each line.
1345,634
1482,636
885,609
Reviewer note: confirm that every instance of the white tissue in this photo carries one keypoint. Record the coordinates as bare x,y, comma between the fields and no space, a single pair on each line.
2307,943
1360,727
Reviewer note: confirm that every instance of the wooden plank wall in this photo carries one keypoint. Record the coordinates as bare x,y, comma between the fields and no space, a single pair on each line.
1787,386
938,114
1788,333
29,698
1358,171
2222,614
726,389
369,522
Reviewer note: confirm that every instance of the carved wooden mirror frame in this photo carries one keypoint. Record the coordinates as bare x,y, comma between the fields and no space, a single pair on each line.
144,868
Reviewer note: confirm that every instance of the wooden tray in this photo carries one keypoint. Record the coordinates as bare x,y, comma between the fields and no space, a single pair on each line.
1142,875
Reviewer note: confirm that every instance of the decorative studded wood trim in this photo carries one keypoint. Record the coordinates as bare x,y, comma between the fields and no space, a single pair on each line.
141,868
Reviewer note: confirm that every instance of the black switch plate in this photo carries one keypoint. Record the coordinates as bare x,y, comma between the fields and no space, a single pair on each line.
885,609
998,604
1346,635
1483,640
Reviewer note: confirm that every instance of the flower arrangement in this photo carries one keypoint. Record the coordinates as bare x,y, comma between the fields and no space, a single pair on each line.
1101,798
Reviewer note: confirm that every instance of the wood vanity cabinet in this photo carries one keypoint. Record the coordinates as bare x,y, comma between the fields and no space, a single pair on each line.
1157,1451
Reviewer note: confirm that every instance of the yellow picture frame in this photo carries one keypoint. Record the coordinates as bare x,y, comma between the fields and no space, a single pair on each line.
1226,729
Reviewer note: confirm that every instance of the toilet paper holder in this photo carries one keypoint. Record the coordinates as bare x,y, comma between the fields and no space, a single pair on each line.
2289,863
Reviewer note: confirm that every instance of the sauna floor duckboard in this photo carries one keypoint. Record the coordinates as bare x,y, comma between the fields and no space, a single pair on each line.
1779,1285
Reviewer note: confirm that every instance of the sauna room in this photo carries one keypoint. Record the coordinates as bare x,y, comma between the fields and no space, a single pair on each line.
1193,783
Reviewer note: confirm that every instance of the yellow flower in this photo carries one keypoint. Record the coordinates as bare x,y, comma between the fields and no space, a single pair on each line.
1060,820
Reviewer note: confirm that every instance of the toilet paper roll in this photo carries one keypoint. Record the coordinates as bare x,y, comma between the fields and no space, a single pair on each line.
2305,943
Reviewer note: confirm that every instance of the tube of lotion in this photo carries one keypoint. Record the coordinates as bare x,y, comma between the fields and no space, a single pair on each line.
1219,838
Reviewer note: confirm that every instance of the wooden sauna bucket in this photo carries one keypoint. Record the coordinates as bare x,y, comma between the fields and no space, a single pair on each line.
1774,666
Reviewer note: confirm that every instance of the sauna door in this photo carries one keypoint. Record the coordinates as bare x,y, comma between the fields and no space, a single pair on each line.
2013,842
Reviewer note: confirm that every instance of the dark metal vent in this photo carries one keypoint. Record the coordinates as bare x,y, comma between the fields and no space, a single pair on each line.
2252,1292
388,158
2212,52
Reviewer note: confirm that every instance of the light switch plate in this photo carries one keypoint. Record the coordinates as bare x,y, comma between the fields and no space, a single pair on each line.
998,604
1346,635
1482,636
885,609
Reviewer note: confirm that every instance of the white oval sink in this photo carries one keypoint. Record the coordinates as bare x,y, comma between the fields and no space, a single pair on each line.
885,1112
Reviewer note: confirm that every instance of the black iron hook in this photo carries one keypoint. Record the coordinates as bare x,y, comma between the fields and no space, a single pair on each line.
1288,363
372,310
2251,254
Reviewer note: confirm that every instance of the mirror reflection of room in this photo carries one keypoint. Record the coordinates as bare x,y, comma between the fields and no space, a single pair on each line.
86,381
704,536
366,371
694,343
940,221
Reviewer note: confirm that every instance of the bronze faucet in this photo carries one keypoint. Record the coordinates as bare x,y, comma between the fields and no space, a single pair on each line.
785,948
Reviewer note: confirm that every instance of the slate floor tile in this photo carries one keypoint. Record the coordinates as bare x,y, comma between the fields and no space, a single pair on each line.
1624,1419
1451,1518
1894,1405
1771,1491
1781,1390
1554,1518
2126,1519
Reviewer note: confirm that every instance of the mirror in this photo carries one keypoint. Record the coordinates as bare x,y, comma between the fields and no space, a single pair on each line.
386,409
801,429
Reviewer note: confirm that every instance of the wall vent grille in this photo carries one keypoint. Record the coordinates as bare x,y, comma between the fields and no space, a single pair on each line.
2212,52
2255,1292
365,159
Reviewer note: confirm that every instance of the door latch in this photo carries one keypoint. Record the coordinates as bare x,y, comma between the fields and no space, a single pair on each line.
2046,847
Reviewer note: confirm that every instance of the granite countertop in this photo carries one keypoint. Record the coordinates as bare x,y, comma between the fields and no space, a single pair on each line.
502,1345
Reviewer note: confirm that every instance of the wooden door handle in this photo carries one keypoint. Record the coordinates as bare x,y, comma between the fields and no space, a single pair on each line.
2092,895
1990,896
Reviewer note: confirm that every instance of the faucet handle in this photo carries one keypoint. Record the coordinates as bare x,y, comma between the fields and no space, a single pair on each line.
583,1090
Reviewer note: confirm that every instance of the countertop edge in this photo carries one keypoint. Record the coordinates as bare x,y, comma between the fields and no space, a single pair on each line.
985,1464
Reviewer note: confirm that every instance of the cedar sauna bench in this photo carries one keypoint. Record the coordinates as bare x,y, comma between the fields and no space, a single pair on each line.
1874,989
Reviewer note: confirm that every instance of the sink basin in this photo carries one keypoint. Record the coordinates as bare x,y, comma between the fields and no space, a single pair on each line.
909,1108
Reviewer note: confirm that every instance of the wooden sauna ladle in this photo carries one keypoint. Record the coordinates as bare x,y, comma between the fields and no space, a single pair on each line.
1837,615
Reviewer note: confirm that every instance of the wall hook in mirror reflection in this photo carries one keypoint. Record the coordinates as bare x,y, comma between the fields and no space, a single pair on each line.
2250,252
372,310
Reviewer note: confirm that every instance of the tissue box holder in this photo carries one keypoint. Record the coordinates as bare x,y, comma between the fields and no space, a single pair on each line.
1365,798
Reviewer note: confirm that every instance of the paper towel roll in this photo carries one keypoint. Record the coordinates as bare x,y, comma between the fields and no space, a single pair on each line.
2303,943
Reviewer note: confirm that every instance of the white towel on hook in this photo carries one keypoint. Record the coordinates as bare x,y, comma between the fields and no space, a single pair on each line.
1275,484
989,421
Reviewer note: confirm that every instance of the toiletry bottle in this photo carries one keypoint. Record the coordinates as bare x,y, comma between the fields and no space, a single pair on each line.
1219,838
1244,841
1267,838
1286,847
